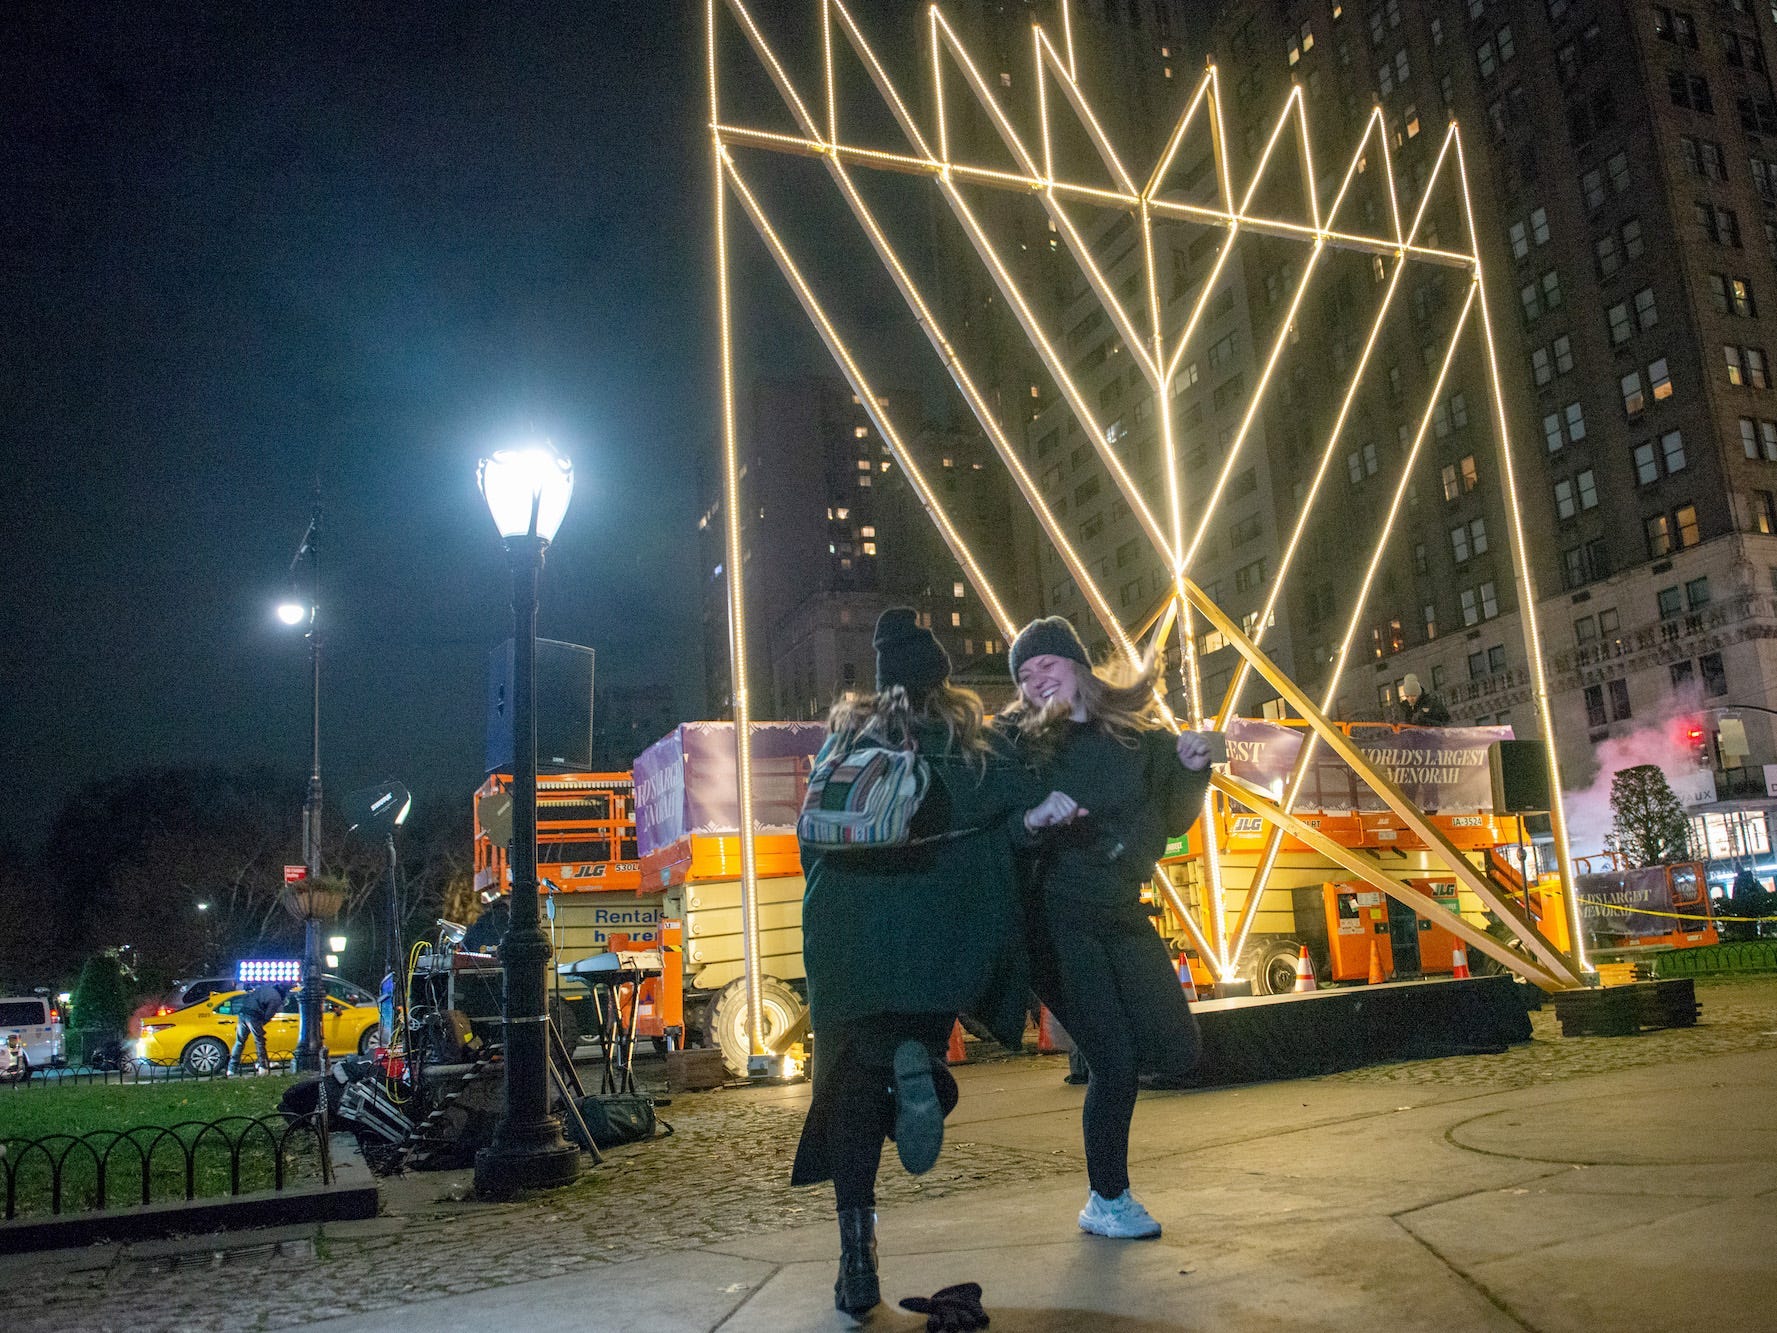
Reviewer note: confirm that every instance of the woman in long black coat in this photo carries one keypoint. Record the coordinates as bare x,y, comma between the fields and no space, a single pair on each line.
897,942
1096,958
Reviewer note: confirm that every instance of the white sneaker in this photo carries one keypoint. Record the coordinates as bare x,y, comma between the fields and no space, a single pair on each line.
1121,1218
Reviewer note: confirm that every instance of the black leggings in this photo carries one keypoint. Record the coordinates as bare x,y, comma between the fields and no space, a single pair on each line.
862,1078
1110,982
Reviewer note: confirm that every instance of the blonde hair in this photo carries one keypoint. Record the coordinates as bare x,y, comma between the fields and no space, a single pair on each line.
1118,699
957,710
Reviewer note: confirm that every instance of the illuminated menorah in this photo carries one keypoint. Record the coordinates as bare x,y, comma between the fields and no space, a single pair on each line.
1159,353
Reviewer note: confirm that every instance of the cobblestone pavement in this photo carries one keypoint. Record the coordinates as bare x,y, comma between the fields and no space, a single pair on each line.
723,1174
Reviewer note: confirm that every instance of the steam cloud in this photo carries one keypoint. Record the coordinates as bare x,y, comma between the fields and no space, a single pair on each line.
1659,742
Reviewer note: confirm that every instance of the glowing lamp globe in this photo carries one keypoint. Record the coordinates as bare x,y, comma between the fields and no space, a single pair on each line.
292,613
527,490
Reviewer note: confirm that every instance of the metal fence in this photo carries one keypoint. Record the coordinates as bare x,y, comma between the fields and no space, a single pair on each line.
152,1163
131,1071
1719,959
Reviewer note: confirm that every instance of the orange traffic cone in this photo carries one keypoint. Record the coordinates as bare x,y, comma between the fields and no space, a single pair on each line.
1459,963
958,1053
1376,976
1186,981
1049,1038
1304,972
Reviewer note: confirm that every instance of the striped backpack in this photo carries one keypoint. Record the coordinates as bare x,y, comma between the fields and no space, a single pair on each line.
864,788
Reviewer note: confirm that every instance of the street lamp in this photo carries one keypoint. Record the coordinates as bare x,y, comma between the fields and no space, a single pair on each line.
296,610
527,490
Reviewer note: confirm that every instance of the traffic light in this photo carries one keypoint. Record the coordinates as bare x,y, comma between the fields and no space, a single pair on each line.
1697,737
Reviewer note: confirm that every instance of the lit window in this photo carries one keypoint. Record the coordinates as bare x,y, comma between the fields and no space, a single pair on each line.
1659,536
868,530
869,548
956,589
956,619
860,432
1659,382
1688,533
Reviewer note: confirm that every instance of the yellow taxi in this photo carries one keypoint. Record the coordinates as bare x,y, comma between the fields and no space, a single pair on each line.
200,1035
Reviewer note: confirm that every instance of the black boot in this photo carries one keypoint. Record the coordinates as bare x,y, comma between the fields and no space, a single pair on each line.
857,1289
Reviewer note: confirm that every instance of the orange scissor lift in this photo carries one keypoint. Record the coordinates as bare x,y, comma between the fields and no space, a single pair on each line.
591,875
1346,925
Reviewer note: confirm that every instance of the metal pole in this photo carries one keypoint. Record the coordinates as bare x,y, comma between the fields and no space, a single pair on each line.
528,1151
392,945
309,1051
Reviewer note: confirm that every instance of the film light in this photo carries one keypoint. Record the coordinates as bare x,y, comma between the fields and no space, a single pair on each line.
259,971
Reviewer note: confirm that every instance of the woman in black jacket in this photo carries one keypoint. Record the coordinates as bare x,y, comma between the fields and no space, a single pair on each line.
1096,959
897,941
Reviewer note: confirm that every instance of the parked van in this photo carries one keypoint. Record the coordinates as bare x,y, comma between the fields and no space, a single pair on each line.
37,1025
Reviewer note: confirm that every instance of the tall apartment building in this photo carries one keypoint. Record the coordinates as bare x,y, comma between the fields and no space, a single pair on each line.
833,534
1623,159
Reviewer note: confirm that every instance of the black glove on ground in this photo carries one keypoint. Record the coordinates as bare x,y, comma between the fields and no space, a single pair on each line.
955,1309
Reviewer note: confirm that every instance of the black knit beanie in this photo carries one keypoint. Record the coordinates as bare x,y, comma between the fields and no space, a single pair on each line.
1053,637
907,654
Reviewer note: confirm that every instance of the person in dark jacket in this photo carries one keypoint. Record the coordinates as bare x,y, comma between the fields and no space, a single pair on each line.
1097,961
251,1013
488,929
898,941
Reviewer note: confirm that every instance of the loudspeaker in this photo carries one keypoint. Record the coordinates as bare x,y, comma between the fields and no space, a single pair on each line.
563,707
1520,773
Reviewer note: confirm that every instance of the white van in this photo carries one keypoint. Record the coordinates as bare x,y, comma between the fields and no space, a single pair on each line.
38,1027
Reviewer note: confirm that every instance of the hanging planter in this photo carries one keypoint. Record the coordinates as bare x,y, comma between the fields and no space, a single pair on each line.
318,898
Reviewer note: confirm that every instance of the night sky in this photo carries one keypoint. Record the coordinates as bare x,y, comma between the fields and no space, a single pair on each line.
243,247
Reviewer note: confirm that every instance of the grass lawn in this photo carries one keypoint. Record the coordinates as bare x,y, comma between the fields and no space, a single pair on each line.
43,1109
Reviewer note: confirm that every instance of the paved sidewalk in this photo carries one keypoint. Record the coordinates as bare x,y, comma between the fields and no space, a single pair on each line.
1493,1192
1644,1199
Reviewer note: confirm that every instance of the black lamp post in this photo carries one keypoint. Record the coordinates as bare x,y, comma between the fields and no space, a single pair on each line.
527,490
296,611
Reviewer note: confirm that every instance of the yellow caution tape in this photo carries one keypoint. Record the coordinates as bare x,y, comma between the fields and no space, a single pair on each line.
1676,916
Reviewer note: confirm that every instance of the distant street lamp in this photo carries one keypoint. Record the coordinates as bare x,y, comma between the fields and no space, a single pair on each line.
295,610
527,491
209,929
